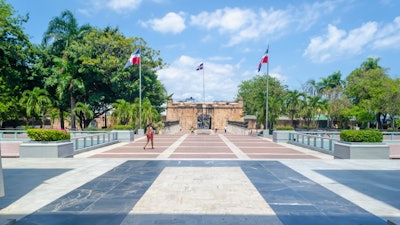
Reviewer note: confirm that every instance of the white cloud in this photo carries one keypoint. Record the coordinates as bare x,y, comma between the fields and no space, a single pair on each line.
119,5
389,35
170,23
182,79
225,20
337,43
246,24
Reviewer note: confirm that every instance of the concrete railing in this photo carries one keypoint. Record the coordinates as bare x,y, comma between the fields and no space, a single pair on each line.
10,141
171,129
237,130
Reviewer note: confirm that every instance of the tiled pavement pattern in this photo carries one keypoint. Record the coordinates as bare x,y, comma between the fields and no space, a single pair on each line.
216,146
189,179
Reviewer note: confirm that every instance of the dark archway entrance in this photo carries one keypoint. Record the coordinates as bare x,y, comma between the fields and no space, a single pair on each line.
204,121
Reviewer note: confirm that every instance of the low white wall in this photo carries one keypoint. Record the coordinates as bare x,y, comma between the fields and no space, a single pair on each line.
237,130
171,129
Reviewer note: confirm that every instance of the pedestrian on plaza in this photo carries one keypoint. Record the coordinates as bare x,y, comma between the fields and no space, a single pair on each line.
149,135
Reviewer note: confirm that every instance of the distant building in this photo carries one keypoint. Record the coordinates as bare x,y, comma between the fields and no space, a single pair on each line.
208,115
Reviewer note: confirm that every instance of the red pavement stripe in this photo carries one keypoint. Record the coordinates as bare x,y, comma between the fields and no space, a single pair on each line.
136,156
270,156
198,149
203,156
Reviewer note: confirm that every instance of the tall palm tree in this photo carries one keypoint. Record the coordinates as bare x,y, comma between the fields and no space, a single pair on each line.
36,102
311,88
62,31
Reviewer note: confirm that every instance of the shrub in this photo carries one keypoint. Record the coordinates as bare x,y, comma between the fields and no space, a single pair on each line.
284,128
122,127
361,136
91,129
48,135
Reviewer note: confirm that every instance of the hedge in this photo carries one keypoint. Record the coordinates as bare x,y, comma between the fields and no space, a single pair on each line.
361,136
48,135
122,127
284,128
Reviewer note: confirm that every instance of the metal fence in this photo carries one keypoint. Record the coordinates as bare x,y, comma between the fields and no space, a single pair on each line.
325,141
320,141
82,140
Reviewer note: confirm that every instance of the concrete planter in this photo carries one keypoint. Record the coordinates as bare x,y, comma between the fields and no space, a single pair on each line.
51,149
281,136
124,135
361,150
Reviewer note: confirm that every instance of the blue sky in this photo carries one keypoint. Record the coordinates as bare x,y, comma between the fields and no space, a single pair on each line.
307,39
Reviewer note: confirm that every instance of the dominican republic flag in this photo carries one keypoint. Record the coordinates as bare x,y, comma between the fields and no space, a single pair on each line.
133,59
264,59
200,67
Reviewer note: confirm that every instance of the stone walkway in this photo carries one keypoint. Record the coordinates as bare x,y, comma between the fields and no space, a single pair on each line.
201,179
215,146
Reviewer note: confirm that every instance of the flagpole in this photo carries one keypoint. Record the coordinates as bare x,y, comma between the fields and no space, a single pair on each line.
140,90
266,104
204,98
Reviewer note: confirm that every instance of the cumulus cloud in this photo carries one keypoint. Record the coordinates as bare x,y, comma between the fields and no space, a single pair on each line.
337,43
170,23
182,79
389,35
247,24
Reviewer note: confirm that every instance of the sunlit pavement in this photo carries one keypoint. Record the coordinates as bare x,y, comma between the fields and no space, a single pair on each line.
201,179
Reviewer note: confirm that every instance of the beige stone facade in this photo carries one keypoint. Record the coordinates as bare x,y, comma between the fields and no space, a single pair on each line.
215,114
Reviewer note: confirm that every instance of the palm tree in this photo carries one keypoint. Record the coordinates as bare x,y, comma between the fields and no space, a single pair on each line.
331,86
312,106
36,102
62,31
122,111
294,101
84,113
311,88
149,112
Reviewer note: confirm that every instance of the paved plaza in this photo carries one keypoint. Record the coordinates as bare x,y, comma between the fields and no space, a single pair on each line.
217,179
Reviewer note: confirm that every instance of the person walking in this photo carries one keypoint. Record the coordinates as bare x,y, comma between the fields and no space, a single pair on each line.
149,135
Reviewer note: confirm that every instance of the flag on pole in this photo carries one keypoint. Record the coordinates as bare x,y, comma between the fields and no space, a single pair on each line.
133,59
200,67
264,59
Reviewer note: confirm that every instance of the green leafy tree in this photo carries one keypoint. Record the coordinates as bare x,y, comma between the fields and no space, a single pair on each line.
366,87
336,110
101,55
254,98
16,58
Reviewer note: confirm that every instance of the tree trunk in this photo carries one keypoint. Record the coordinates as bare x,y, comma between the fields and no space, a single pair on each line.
73,118
62,126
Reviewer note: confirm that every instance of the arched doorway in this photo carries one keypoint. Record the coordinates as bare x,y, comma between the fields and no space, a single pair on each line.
204,121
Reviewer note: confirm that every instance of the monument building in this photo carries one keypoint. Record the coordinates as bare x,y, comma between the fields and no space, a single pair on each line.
204,115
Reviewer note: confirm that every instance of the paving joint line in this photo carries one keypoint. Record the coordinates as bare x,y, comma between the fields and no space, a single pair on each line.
239,153
168,152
